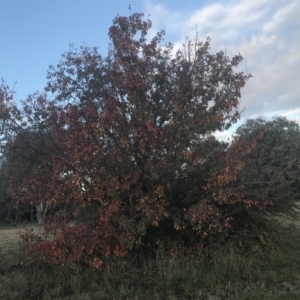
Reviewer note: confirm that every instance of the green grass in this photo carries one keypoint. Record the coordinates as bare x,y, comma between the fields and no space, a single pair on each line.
271,275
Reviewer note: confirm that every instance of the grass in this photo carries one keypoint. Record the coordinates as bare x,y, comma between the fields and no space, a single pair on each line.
11,248
271,275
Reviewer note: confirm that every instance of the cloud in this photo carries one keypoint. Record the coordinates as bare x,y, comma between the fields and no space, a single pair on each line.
265,32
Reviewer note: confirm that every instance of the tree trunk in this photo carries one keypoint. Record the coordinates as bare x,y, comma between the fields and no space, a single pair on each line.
41,212
16,219
8,213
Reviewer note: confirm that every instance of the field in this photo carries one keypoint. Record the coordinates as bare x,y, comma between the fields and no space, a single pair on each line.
271,275
10,245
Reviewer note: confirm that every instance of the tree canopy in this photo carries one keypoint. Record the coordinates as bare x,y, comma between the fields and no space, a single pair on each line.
274,163
128,147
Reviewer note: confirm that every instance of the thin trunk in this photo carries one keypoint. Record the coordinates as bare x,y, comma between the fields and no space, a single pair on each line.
17,215
41,213
8,213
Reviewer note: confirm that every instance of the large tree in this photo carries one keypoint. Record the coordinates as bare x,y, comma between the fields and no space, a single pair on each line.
127,130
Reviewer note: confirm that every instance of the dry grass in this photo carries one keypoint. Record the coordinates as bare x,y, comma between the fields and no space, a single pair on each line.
290,225
10,245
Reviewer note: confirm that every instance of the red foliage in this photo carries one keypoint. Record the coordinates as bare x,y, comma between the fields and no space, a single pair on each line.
117,132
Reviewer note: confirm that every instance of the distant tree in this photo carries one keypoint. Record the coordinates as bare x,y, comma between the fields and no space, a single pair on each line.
274,164
7,211
132,149
27,154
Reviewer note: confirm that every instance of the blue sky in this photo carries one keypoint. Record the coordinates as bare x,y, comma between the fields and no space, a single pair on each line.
35,33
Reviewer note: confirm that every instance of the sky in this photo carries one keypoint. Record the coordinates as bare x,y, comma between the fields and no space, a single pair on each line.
35,33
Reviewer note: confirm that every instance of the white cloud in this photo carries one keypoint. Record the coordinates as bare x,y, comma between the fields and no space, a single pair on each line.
265,32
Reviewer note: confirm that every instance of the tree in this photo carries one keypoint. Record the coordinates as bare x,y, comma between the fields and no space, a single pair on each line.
25,157
127,130
9,116
6,209
274,164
